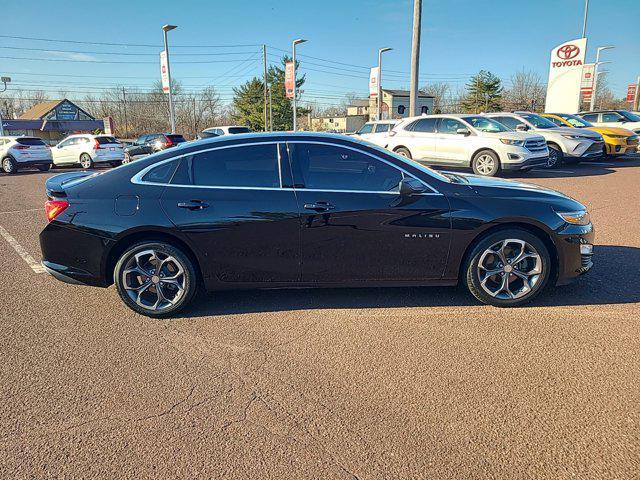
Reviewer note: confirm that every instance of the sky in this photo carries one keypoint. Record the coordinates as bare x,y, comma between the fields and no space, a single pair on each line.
459,37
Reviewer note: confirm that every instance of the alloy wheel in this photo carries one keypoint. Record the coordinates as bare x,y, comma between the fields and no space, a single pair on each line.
154,280
7,166
85,161
485,164
509,269
552,160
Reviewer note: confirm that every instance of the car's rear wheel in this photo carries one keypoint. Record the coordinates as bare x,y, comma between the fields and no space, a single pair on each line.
115,164
9,165
85,161
127,159
44,167
508,268
155,279
485,163
556,157
403,151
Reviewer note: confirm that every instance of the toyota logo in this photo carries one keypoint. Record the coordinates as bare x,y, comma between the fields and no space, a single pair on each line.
568,51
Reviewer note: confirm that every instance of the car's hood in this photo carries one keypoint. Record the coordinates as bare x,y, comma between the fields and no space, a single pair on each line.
571,131
611,131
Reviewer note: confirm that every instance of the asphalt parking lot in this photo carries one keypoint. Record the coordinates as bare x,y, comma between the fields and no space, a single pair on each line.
365,383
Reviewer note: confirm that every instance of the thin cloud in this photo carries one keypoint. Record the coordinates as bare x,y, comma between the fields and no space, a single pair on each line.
79,57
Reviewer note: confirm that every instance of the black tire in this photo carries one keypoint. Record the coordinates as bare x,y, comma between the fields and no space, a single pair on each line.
403,151
115,164
9,165
154,281
536,284
127,158
85,161
556,156
485,163
45,167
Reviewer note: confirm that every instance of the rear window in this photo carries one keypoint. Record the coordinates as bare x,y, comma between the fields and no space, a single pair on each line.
162,173
234,130
30,141
176,138
106,140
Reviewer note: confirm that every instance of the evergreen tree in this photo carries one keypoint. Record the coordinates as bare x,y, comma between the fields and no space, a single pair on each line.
248,101
484,93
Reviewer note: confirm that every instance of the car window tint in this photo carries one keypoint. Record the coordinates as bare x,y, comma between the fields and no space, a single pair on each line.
162,173
245,166
611,117
182,176
591,117
366,128
382,127
106,140
557,121
33,141
425,125
328,167
449,125
509,122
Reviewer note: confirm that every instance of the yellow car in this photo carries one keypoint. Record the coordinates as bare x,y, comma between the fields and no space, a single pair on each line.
617,141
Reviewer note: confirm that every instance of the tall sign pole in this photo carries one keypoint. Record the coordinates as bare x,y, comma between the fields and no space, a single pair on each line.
379,80
584,21
415,57
172,112
264,67
295,86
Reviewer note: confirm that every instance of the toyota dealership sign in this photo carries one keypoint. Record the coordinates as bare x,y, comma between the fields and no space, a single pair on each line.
565,76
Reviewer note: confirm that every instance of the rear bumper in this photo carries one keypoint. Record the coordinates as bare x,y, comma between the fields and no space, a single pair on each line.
61,273
33,163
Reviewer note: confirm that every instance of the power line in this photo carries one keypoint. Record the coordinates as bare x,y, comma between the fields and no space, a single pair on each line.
107,62
84,52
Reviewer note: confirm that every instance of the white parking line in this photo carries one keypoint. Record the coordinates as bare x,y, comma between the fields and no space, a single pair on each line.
35,266
22,211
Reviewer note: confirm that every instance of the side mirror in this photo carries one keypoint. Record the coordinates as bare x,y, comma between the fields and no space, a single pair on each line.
463,131
521,127
411,186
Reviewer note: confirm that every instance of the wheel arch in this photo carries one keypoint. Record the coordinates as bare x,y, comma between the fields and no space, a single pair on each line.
483,149
138,236
537,230
556,144
398,147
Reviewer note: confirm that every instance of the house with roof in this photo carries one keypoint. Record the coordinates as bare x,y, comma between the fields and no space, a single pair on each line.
395,104
52,120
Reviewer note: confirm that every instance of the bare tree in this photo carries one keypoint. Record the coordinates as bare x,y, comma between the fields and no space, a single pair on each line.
441,93
527,92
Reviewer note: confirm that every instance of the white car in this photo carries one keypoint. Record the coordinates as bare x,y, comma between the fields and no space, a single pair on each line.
467,141
566,145
613,118
377,131
17,153
87,150
225,130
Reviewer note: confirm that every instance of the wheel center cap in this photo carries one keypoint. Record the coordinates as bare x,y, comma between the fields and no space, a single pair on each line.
508,268
155,279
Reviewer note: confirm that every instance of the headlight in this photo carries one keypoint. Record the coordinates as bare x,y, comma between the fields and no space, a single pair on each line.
508,141
633,138
580,217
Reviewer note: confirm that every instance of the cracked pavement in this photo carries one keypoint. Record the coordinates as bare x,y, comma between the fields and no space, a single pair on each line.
327,384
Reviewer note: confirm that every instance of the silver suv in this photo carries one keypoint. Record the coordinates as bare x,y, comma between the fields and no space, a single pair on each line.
566,145
467,141
17,153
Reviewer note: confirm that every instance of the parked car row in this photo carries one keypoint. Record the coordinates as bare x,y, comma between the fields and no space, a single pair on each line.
493,142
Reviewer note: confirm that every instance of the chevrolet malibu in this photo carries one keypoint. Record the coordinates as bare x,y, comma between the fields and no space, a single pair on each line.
305,210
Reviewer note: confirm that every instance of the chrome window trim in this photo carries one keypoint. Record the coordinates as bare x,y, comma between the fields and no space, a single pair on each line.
137,178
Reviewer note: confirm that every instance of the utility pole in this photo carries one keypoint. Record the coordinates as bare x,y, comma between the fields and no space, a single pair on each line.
636,101
584,22
415,56
380,52
270,112
595,75
195,122
124,107
295,86
172,112
264,66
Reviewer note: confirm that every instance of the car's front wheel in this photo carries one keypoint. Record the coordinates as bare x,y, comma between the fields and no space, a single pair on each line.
155,279
508,268
45,167
85,161
485,163
403,151
556,157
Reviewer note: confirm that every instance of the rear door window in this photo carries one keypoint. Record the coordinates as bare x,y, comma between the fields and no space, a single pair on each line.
248,166
106,140
162,173
611,117
330,167
425,125
449,126
591,117
383,127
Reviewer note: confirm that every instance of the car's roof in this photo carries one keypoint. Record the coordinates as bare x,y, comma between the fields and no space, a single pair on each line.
227,126
605,111
391,120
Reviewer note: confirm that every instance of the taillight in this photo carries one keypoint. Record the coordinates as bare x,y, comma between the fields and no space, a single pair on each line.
21,147
96,145
53,208
167,142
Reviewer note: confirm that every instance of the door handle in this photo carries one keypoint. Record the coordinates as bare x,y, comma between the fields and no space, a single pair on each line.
193,205
319,206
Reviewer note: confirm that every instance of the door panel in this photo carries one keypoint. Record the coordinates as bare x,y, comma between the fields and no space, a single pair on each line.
449,145
422,139
245,234
363,234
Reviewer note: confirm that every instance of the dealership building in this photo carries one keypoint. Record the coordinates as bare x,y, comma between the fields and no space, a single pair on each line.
52,120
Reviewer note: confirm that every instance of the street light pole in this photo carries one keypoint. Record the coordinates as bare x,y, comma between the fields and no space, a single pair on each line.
595,76
415,57
380,52
295,86
172,112
584,21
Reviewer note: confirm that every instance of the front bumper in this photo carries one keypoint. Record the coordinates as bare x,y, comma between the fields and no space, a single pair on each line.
584,149
574,254
527,164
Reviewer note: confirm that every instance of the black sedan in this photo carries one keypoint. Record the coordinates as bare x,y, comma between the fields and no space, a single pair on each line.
305,210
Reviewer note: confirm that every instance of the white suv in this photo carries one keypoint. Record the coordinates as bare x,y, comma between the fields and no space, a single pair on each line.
87,150
377,131
568,145
17,153
467,141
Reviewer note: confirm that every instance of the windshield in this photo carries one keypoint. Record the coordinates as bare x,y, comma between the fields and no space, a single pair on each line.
629,116
485,124
538,121
576,121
